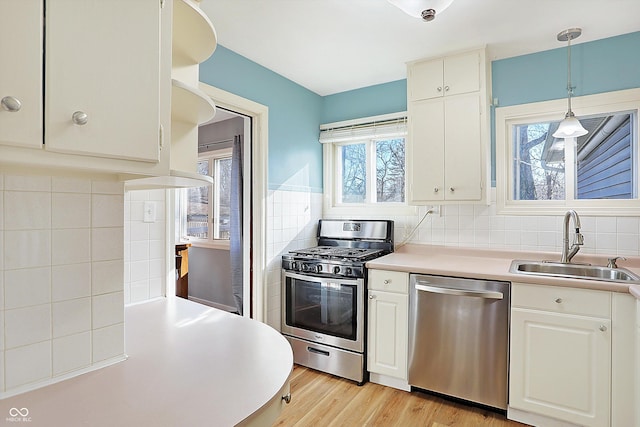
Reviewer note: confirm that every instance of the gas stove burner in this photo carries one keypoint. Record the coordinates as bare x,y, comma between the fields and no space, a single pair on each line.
335,253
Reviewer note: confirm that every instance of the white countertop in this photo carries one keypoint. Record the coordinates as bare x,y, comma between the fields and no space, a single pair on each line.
492,264
188,365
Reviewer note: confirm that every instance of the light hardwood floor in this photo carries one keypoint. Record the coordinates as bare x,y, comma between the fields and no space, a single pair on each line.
319,399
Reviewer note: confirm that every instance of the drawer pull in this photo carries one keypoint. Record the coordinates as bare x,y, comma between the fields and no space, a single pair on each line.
559,300
287,398
387,281
603,328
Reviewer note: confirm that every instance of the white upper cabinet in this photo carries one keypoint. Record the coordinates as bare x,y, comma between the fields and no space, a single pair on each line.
451,75
102,80
21,38
448,138
92,81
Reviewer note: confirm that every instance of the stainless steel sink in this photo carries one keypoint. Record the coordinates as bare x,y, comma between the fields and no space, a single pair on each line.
573,271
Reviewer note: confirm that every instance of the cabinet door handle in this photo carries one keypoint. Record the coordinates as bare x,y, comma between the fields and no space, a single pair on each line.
439,88
436,189
603,328
446,88
11,104
558,300
80,118
387,281
287,398
372,296
452,189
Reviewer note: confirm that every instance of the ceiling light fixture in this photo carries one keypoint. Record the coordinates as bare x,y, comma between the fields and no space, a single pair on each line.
424,9
570,127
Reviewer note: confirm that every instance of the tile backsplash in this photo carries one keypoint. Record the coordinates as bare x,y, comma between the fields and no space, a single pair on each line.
61,277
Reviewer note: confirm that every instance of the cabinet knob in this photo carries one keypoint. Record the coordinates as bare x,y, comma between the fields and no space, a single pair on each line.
80,118
558,300
372,296
287,398
452,189
436,189
11,104
386,281
603,328
439,88
446,88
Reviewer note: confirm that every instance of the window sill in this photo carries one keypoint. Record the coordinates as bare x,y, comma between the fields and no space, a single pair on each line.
216,244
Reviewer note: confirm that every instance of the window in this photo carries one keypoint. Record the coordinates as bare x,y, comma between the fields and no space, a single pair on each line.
596,173
364,165
206,212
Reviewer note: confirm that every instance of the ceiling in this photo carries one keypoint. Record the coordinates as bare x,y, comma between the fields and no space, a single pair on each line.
331,46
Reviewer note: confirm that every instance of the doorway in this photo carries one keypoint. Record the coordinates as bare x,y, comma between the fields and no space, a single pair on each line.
209,261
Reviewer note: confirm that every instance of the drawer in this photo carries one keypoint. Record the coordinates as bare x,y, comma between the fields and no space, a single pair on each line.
391,281
562,300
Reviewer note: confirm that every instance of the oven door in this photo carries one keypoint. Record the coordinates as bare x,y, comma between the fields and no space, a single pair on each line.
324,310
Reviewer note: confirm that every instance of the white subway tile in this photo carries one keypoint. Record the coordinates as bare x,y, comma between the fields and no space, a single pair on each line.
156,249
529,238
156,287
139,195
2,365
628,225
628,244
606,242
71,353
1,334
70,246
28,364
1,182
107,244
139,251
70,281
27,287
27,183
107,276
1,210
140,231
107,309
107,210
27,210
157,230
70,210
71,317
156,268
136,211
24,326
605,224
70,185
29,248
108,342
140,290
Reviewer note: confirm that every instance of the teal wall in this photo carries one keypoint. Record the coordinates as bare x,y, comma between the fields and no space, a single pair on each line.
295,113
295,155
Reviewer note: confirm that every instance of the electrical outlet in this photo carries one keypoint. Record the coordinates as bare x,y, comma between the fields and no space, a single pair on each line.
436,210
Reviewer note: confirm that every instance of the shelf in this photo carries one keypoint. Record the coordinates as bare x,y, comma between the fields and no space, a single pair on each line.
194,37
189,104
175,179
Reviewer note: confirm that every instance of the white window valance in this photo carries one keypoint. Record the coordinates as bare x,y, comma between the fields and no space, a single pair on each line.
378,127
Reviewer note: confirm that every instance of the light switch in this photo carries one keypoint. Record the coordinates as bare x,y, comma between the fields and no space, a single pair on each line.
149,212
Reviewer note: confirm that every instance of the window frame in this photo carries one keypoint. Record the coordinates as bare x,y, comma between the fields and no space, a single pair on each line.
210,241
507,117
332,175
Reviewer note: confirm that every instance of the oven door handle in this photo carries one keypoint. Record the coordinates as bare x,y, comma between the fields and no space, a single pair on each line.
458,292
316,351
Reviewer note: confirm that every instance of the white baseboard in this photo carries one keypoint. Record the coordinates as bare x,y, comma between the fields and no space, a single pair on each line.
389,381
535,419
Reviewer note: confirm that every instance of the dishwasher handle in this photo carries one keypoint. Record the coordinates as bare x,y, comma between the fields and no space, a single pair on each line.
425,287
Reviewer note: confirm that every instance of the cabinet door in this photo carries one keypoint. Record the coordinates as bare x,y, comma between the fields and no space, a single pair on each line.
560,366
425,80
462,73
21,72
463,148
388,331
425,154
103,60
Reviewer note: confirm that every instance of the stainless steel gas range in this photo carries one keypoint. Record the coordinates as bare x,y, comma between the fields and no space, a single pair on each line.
323,295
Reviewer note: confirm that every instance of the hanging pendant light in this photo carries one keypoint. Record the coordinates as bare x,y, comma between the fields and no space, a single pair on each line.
424,9
570,127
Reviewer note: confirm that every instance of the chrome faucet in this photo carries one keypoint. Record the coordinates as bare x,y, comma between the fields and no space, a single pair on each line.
569,253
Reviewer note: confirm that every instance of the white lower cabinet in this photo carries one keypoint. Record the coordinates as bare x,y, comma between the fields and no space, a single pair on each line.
388,328
560,360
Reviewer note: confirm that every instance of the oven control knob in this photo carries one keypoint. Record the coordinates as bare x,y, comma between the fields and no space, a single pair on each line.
318,268
348,271
294,265
336,270
304,267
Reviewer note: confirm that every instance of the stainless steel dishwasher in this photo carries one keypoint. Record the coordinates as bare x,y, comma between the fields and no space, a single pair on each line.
459,338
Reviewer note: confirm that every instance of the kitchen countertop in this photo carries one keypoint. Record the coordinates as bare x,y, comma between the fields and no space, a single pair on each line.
188,365
492,264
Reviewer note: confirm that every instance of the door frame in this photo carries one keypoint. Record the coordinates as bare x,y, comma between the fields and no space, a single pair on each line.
256,269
